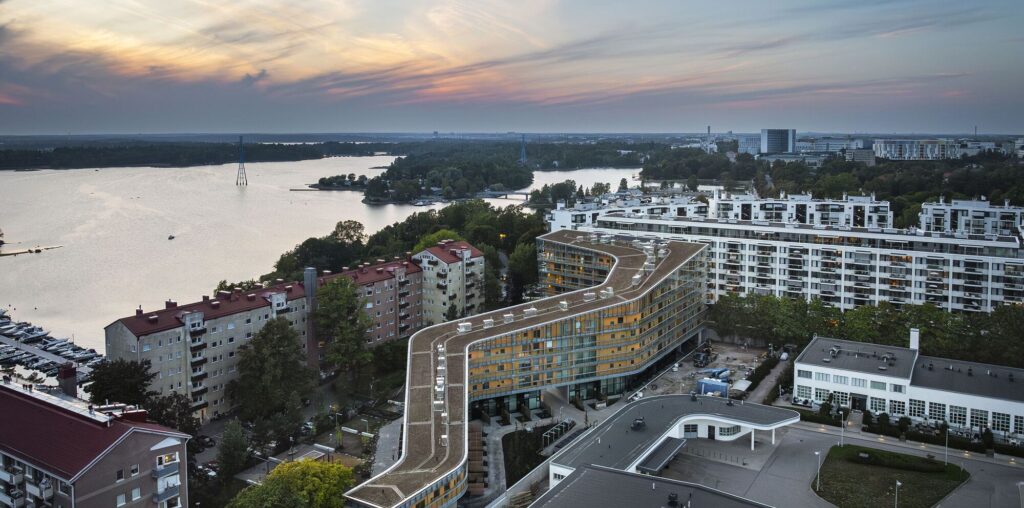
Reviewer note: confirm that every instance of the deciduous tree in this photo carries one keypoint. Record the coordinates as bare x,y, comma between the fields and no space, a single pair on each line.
121,381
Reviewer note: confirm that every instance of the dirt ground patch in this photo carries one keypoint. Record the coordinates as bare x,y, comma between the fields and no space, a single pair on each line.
737,358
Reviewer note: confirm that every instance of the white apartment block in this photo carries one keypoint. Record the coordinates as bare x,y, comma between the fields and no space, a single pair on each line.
843,252
975,217
916,149
453,274
899,381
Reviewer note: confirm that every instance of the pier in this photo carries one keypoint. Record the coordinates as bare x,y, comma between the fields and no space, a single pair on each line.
83,371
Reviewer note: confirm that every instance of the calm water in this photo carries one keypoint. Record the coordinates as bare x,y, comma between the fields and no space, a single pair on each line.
113,225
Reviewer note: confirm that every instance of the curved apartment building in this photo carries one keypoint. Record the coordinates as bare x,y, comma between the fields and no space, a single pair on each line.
626,303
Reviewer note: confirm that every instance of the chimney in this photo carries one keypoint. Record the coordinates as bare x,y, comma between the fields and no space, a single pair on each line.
380,269
251,297
915,339
288,288
379,261
67,379
170,304
138,311
153,318
344,268
206,298
327,273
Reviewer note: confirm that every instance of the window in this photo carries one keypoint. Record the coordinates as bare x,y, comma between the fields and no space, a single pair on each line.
145,347
820,394
803,392
877,405
979,418
729,431
231,326
135,469
136,494
840,380
859,382
916,408
878,385
558,477
896,388
841,399
121,500
806,374
897,407
821,376
120,474
690,430
958,416
167,458
936,411
1018,424
1000,422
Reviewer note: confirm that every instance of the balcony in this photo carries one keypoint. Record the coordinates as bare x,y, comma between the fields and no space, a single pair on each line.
452,296
403,282
403,293
165,470
403,305
433,262
12,476
470,263
200,404
14,500
197,346
42,490
166,494
442,285
197,391
198,360
470,296
470,285
199,375
404,315
197,331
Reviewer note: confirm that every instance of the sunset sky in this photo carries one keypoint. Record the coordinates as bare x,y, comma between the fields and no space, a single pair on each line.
148,66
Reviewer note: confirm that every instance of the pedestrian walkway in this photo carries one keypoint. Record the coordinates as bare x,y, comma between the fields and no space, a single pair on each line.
768,383
388,446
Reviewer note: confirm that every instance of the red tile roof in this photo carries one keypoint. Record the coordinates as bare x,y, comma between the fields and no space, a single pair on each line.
233,303
443,252
57,439
370,274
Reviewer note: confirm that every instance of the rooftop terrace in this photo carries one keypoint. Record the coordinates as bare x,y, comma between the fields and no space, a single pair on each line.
426,457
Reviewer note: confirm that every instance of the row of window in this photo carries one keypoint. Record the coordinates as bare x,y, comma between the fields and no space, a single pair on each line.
856,382
957,416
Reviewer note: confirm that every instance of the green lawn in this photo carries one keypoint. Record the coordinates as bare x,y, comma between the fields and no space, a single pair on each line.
850,481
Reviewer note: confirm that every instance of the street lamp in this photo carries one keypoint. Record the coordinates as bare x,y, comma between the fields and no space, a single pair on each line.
897,494
367,424
945,459
818,474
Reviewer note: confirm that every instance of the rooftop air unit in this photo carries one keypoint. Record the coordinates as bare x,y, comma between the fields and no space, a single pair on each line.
508,318
589,297
530,312
563,305
488,323
465,326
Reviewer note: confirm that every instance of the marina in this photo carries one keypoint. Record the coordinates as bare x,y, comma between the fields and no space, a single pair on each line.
31,347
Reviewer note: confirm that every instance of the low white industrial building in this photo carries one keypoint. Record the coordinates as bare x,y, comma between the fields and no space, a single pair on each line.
900,381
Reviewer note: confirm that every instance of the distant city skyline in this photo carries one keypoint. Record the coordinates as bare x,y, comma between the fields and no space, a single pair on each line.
878,66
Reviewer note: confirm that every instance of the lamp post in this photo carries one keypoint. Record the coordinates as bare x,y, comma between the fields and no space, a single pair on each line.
842,430
897,504
818,473
367,424
945,459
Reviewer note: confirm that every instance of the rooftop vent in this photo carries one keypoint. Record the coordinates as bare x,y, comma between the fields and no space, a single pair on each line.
508,318
826,360
883,367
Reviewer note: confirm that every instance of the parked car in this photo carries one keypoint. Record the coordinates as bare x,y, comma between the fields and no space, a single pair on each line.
206,441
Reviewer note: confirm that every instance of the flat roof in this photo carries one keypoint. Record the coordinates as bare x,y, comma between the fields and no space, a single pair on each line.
614,444
863,357
661,456
599,487
425,459
984,380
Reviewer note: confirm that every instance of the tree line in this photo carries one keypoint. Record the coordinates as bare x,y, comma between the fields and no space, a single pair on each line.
978,337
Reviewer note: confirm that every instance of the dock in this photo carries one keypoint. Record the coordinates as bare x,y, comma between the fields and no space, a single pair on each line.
83,371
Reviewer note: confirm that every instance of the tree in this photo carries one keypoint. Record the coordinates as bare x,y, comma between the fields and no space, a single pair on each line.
349,232
233,453
600,189
174,411
492,288
623,185
271,373
303,483
452,313
246,285
121,381
341,322
691,182
433,238
522,269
